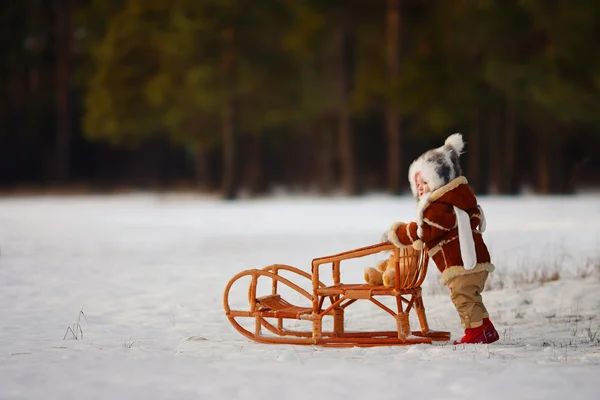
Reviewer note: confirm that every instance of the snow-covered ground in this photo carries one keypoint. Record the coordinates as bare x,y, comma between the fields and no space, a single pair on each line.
148,271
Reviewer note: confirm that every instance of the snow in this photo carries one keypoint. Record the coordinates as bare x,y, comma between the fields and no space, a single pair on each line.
148,272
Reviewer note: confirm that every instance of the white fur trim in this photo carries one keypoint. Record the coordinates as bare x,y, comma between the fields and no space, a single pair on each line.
456,142
412,239
427,198
428,167
431,223
427,171
458,270
481,219
421,205
440,246
415,167
453,184
393,236
465,239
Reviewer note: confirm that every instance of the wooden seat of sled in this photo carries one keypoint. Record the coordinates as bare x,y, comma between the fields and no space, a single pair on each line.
274,306
363,291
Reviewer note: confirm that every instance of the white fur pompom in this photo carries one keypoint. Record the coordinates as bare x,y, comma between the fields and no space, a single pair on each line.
417,244
456,142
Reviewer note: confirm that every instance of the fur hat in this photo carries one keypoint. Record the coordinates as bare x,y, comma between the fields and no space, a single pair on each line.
438,166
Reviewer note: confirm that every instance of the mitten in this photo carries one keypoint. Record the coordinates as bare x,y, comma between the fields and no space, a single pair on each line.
392,236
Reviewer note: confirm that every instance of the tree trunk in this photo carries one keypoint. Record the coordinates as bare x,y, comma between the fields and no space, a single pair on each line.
543,167
228,185
511,184
15,125
202,168
474,156
575,172
558,176
551,176
392,117
324,148
63,44
228,134
346,142
494,143
254,167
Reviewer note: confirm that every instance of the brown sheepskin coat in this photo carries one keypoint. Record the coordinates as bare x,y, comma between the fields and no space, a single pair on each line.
437,228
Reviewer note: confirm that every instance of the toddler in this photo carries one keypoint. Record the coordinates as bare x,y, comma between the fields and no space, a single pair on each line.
450,224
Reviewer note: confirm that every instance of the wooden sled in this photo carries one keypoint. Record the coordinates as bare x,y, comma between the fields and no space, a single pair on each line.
269,311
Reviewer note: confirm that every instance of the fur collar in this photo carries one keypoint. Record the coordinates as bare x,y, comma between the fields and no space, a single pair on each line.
428,198
453,184
422,203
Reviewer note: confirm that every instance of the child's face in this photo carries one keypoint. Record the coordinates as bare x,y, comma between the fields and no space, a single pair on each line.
422,185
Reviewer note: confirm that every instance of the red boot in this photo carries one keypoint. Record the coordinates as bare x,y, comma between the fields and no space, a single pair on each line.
486,333
490,333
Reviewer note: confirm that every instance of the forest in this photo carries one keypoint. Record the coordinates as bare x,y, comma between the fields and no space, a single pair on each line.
237,97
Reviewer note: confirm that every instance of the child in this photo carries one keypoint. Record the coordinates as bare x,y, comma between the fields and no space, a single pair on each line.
450,224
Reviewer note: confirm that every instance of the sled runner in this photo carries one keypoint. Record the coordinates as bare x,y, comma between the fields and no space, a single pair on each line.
264,317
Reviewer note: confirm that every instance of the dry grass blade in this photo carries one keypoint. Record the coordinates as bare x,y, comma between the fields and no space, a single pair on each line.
76,330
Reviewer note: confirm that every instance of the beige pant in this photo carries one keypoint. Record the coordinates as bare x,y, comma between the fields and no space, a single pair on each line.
465,291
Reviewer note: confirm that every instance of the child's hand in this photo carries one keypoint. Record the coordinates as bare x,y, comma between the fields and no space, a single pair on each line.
390,235
385,237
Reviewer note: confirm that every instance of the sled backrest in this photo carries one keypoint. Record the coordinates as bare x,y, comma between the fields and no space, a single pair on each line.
410,264
411,267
